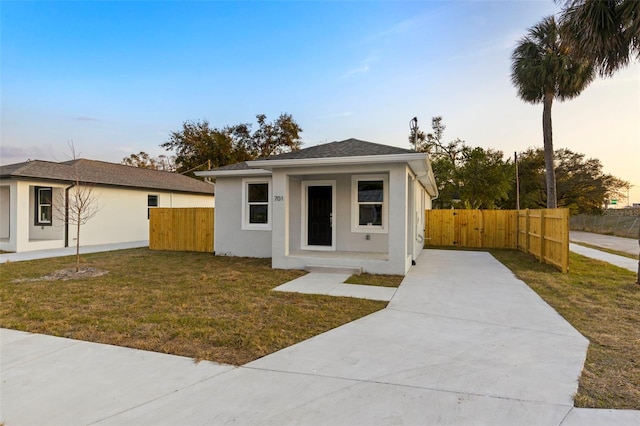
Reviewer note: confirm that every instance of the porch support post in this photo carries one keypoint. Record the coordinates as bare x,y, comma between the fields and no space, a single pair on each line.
398,221
280,219
21,215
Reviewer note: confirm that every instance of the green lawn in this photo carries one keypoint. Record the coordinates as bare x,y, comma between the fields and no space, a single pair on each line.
376,279
192,304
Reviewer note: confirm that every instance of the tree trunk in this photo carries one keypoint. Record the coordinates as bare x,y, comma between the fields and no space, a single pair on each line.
78,245
548,152
638,276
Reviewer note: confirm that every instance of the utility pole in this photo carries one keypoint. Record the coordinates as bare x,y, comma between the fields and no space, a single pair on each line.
413,127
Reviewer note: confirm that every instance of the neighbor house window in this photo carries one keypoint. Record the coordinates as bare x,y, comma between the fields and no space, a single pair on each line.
44,205
369,203
256,207
152,201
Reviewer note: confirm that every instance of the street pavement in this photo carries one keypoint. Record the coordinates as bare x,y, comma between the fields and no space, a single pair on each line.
627,245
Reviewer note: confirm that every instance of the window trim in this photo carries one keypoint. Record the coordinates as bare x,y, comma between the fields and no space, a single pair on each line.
149,206
355,210
246,225
38,205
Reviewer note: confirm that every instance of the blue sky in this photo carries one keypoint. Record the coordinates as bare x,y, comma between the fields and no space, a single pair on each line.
117,77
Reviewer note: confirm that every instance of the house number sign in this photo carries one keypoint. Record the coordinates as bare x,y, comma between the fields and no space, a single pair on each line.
278,198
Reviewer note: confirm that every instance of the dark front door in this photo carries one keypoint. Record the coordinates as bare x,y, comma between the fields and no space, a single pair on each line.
319,209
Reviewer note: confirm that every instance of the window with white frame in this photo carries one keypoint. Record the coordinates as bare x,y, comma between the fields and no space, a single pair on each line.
152,201
369,203
256,204
44,205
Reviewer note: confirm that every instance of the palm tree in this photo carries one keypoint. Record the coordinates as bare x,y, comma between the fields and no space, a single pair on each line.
606,32
543,69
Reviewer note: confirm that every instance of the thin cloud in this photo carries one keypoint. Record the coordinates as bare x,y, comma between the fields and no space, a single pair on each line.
85,118
359,70
399,28
363,68
336,115
12,154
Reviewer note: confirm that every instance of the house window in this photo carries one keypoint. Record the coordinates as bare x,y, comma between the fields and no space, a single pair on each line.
256,206
369,203
152,201
44,205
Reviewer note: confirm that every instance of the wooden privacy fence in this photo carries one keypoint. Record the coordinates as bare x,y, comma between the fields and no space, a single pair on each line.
543,233
181,229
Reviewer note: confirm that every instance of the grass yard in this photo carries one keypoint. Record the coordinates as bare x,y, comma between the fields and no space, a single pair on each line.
376,279
192,304
602,301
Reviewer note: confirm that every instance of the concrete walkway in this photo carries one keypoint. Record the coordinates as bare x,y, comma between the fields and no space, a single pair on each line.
461,342
332,284
68,251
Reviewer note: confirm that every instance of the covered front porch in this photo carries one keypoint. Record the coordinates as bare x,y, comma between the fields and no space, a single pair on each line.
28,219
361,217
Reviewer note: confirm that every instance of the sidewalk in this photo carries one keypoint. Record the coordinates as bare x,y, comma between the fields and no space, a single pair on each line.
461,342
627,245
68,251
606,241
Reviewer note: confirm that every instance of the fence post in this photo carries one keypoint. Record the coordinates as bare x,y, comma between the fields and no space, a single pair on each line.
565,239
543,246
527,224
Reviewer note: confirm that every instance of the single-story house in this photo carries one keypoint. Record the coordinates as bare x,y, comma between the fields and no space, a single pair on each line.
33,196
351,204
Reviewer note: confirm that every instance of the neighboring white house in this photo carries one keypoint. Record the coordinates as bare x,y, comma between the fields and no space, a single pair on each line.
31,194
341,204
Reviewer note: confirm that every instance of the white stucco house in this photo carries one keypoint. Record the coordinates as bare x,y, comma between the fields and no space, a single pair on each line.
33,196
351,204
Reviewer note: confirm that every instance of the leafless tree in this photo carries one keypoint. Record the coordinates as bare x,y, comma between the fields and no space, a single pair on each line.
77,205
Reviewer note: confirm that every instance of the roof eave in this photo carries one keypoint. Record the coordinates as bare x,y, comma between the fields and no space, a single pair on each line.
231,173
331,161
424,174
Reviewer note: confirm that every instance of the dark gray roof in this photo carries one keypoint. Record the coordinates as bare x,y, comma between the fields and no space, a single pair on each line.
235,166
103,173
347,148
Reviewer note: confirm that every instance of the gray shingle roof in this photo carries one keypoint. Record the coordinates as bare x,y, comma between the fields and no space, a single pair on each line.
235,166
347,148
103,173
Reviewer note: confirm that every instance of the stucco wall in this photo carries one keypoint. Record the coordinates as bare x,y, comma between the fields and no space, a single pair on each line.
229,237
345,239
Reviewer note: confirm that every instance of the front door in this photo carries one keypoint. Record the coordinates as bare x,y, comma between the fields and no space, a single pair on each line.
319,215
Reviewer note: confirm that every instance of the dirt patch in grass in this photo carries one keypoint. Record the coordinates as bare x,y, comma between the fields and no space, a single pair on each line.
380,280
66,274
191,304
601,301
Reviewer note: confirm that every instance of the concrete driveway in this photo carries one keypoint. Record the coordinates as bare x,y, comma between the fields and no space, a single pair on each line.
461,342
